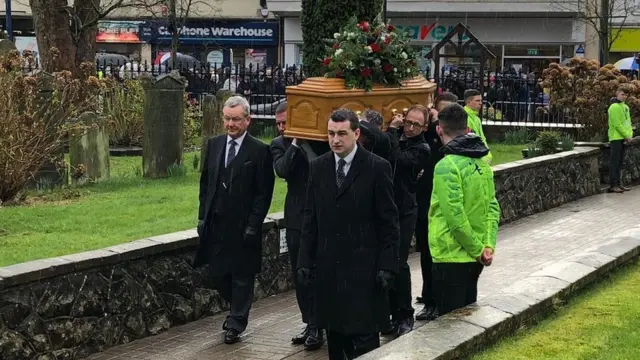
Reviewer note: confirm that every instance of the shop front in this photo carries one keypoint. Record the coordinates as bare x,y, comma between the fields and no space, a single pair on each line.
218,42
521,44
120,37
626,44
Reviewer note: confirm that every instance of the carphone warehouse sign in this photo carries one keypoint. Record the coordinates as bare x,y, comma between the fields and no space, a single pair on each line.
214,32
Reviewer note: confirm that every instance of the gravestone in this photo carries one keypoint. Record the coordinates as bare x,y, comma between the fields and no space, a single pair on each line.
89,150
163,121
6,46
53,173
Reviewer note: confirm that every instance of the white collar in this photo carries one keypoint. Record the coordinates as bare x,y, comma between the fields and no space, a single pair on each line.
349,158
239,140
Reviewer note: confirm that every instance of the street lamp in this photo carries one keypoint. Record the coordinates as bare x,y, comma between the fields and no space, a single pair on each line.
384,11
9,20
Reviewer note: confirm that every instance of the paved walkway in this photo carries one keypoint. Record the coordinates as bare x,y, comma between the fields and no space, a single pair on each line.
524,247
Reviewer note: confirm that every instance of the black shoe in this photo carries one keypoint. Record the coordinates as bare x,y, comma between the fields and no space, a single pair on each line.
392,329
427,313
405,326
231,336
315,340
302,337
224,326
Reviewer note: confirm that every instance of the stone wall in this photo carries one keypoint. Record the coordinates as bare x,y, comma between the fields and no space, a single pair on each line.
75,305
530,186
631,169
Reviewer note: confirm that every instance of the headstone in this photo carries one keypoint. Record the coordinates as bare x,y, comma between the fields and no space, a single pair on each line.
89,151
210,116
54,171
163,121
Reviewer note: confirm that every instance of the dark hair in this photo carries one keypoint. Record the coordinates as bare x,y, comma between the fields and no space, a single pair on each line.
342,115
445,96
470,93
281,108
373,117
623,89
453,120
422,109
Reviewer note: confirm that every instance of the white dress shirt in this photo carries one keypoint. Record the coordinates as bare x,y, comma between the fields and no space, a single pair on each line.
348,160
238,144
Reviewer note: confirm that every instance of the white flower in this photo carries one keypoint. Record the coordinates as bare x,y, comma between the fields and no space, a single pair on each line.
369,49
339,51
395,69
404,55
350,65
377,61
408,70
336,36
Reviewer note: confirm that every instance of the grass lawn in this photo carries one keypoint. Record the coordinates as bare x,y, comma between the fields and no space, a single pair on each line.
123,209
603,323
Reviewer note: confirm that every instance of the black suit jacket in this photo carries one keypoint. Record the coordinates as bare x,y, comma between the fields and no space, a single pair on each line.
236,243
290,163
349,234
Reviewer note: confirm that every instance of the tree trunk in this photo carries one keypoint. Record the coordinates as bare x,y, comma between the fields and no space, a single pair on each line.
175,35
51,23
73,35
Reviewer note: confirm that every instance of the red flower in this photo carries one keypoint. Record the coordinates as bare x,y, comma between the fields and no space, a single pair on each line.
375,47
326,61
365,72
364,26
390,27
339,74
336,46
387,68
387,40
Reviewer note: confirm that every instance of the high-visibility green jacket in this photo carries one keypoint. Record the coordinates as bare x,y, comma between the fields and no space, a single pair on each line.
475,126
619,121
464,212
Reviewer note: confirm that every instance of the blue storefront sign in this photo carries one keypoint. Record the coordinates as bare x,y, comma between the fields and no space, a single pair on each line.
221,32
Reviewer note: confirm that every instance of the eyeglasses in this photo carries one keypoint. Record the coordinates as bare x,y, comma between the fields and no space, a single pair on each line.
409,124
233,119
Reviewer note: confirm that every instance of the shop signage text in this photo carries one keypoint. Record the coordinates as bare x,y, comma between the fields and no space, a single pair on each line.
218,32
428,32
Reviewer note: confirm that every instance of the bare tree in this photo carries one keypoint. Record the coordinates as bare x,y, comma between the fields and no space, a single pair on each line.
606,17
66,29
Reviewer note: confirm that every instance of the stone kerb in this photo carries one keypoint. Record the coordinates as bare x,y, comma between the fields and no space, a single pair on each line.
458,334
78,304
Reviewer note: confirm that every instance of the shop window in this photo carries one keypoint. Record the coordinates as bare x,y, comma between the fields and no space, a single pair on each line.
532,50
568,51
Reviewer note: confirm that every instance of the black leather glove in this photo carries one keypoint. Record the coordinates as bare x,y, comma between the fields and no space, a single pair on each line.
200,228
384,279
304,276
249,233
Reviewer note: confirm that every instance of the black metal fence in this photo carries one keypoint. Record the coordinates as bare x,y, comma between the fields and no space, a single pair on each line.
510,98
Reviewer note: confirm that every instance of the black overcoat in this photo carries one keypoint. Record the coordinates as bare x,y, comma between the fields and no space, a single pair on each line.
290,163
349,234
225,245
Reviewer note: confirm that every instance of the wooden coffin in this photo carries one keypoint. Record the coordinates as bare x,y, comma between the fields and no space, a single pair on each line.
310,103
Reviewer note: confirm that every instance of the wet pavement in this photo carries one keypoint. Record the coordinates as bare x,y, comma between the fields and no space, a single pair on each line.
524,247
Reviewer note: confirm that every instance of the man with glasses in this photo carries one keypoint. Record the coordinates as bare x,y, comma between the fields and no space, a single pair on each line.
236,186
409,155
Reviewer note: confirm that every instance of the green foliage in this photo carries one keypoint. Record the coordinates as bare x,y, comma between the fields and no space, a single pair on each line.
532,151
192,124
177,170
366,53
196,162
518,136
548,142
320,19
124,109
566,143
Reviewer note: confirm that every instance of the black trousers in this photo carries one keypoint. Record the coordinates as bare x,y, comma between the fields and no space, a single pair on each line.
422,229
347,347
400,293
455,285
304,293
237,290
616,162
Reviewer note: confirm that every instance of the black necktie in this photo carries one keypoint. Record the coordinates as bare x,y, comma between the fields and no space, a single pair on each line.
232,152
340,175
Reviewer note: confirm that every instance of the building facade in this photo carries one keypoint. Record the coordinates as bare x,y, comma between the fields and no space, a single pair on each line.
523,35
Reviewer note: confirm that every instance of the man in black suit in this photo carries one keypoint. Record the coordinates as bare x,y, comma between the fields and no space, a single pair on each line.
351,234
423,197
236,186
409,155
291,164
